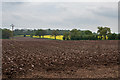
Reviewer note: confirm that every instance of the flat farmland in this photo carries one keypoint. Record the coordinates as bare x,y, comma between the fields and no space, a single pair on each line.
42,58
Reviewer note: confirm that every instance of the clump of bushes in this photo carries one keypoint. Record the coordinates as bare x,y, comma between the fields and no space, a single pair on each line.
6,33
112,36
79,35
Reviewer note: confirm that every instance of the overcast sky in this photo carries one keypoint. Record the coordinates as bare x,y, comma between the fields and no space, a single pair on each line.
60,15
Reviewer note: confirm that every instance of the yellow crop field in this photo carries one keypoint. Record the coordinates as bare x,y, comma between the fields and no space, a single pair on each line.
59,37
103,38
27,35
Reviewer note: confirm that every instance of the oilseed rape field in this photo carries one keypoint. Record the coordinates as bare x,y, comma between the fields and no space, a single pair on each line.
59,37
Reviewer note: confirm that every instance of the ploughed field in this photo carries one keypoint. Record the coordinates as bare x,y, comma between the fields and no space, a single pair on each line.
42,58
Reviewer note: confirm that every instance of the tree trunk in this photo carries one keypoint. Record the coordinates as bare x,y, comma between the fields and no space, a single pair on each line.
39,36
105,37
55,37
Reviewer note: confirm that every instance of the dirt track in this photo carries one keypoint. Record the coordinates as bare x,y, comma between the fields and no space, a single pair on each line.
41,58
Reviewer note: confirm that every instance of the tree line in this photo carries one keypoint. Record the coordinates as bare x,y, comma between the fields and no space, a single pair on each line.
103,33
30,31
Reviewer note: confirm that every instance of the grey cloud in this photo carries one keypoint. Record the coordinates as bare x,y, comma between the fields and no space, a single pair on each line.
107,12
60,15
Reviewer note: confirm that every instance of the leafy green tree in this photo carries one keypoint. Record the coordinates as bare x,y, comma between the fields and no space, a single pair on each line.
43,32
103,31
88,32
6,33
66,36
112,36
40,33
99,31
74,34
54,33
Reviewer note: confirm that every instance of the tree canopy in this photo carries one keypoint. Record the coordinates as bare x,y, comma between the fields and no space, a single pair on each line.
6,33
103,31
40,32
54,33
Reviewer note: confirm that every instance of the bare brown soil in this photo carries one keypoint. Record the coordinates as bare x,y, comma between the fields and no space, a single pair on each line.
41,58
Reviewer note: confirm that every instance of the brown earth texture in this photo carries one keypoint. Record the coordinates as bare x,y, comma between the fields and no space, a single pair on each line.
42,58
